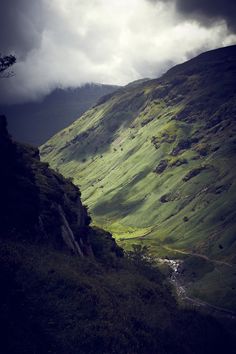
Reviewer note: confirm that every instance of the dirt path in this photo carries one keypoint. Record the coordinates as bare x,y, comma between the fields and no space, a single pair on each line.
198,255
212,308
188,253
136,237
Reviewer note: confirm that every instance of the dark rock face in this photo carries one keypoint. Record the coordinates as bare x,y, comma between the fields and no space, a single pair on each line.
161,166
179,162
182,145
164,198
37,203
19,201
193,173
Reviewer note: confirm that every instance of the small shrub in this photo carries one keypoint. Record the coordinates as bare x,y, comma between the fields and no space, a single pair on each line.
202,149
155,142
140,254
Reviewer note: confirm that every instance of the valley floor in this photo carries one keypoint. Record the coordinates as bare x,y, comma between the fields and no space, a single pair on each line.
207,283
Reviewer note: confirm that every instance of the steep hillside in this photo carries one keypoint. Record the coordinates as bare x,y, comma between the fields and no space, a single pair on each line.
36,122
156,163
67,288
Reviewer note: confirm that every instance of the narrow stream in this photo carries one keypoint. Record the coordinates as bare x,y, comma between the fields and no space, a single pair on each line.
174,264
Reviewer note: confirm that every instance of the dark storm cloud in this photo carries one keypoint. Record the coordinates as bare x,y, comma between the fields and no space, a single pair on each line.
66,43
21,24
207,11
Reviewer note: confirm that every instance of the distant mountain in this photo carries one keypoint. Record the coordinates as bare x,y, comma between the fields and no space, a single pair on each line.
36,122
156,165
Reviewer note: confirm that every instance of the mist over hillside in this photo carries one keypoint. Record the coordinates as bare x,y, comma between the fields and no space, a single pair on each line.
35,122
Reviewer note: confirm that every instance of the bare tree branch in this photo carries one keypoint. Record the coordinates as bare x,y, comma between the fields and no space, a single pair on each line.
5,63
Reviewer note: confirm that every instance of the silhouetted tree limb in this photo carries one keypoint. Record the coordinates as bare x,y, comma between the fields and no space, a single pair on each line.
5,63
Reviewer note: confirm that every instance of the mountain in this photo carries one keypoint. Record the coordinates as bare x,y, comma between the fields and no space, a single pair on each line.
36,122
156,164
67,288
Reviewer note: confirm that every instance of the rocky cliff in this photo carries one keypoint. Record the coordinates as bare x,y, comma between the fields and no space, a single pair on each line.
38,204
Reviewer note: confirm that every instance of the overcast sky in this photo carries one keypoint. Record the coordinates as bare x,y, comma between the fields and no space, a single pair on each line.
63,43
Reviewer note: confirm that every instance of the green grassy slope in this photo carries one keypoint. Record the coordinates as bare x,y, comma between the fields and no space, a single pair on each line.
156,160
